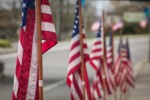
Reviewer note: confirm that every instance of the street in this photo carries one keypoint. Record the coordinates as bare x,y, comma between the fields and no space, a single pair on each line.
55,67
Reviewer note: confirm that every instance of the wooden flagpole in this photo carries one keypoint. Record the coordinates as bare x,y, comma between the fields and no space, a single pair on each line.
129,92
40,69
121,61
115,95
113,56
125,94
81,52
104,55
128,87
120,94
126,98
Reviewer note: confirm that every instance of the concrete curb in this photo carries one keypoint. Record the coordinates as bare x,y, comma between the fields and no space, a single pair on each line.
4,51
138,66
54,85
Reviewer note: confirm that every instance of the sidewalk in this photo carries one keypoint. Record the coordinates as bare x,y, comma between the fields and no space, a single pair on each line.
142,84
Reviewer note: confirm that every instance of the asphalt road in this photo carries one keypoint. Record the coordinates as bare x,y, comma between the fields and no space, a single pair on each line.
55,67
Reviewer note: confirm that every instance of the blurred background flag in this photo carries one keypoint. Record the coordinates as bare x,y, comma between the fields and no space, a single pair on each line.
117,25
97,50
130,73
96,57
74,73
109,59
143,23
95,26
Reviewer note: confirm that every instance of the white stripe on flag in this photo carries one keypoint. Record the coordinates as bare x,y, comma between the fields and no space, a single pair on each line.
98,40
78,78
109,48
100,88
109,60
95,94
74,63
43,41
99,46
96,63
109,54
85,51
20,52
74,92
15,87
95,54
47,26
45,9
31,90
74,39
74,51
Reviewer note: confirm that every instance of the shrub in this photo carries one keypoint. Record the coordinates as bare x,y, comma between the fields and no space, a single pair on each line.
4,43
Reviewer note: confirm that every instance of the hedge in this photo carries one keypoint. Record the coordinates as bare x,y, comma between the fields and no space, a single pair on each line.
4,43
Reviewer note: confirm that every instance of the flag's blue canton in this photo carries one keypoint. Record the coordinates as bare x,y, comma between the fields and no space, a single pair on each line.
121,45
25,5
98,34
76,22
110,39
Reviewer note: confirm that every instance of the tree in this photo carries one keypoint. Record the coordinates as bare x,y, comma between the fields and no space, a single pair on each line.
63,12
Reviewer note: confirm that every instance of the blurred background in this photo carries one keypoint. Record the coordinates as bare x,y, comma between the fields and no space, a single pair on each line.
131,13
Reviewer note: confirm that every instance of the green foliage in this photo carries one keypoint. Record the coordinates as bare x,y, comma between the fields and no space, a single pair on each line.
133,28
129,28
4,43
9,23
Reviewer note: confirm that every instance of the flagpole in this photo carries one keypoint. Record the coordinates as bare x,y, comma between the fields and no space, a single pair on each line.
128,87
115,94
40,69
81,52
128,92
121,61
104,55
126,98
113,56
120,94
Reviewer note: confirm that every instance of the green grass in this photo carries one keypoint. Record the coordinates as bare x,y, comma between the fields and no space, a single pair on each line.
4,43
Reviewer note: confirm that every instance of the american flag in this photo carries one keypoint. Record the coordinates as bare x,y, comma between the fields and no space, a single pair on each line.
96,60
130,77
97,51
118,64
110,54
74,77
110,65
124,71
117,25
96,57
25,79
97,86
